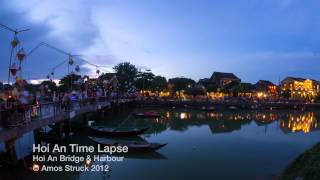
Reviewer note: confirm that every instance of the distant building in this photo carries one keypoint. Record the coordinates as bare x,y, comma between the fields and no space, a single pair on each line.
222,79
300,87
206,82
267,87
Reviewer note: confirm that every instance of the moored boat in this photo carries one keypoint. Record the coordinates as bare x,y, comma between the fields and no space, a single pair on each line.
207,108
148,114
118,131
133,146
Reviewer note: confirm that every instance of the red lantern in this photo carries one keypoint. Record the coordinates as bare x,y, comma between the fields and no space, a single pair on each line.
21,54
13,69
15,42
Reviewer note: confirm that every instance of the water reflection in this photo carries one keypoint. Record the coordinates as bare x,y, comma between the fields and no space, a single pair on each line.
224,122
300,122
183,121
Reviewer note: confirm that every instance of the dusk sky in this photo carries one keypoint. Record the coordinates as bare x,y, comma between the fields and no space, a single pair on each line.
255,39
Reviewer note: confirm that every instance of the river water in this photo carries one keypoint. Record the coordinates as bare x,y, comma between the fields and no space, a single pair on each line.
202,145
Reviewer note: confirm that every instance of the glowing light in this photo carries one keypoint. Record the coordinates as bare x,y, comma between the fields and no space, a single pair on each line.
183,115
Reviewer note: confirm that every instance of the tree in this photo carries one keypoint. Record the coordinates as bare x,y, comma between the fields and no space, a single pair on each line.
286,94
231,87
126,74
317,98
144,80
159,83
49,85
180,83
195,91
212,88
31,87
69,83
242,88
1,86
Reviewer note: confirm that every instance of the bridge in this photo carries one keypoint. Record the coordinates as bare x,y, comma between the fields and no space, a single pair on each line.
15,125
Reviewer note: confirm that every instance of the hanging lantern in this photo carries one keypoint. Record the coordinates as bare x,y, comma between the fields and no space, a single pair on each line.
15,42
70,61
13,69
48,76
77,69
98,71
52,73
21,54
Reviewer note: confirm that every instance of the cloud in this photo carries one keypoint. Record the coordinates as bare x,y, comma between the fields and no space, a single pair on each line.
256,39
274,65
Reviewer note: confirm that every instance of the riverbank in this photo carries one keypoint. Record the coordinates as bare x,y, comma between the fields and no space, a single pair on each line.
306,166
225,105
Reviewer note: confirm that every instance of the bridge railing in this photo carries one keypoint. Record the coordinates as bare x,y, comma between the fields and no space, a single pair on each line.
22,114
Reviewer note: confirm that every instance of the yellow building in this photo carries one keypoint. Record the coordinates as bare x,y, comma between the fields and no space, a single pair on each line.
300,87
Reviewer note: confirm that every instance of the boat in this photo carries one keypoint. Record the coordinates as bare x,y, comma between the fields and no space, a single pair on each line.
148,114
133,146
118,131
233,108
207,108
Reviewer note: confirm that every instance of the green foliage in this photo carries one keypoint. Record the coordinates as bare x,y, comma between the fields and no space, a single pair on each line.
286,94
31,87
242,88
306,166
67,83
159,83
144,80
195,91
49,85
317,98
231,87
180,83
212,88
126,74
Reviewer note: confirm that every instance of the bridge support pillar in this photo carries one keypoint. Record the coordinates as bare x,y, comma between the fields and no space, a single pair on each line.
11,151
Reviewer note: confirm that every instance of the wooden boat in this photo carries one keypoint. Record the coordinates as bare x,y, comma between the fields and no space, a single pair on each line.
133,146
207,108
117,131
148,114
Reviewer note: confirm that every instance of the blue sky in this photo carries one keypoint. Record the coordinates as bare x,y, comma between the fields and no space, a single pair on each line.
255,39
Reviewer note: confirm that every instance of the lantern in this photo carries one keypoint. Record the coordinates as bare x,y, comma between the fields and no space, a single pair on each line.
13,69
15,42
48,76
98,71
52,73
70,61
21,54
77,68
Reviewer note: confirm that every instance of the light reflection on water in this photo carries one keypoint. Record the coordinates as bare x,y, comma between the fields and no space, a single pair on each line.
209,145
